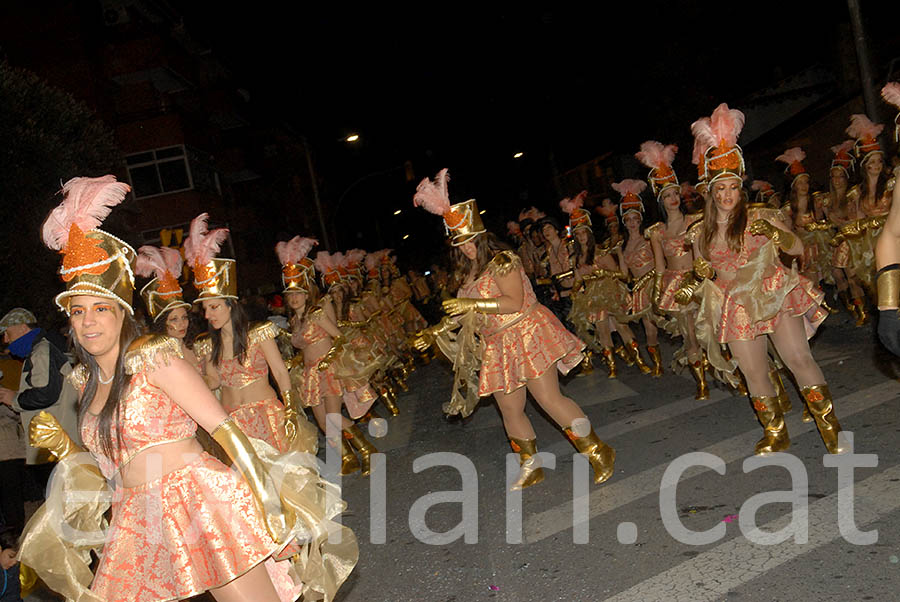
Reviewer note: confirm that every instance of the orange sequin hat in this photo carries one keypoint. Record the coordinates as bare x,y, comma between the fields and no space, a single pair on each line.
631,200
718,134
94,262
298,273
329,266
794,157
214,277
462,221
659,159
842,158
579,217
866,133
163,293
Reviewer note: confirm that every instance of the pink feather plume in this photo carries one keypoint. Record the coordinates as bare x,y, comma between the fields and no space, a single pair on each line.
355,256
373,259
294,250
569,205
607,208
687,189
862,127
653,154
201,245
760,185
703,139
844,147
156,261
891,93
86,203
326,262
726,124
434,196
792,155
635,187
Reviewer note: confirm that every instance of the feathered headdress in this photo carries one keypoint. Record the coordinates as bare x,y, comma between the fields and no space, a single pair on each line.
793,157
630,191
866,133
723,157
294,250
761,185
329,266
214,277
891,94
297,273
201,246
163,293
608,210
842,157
355,258
578,216
94,262
462,221
659,159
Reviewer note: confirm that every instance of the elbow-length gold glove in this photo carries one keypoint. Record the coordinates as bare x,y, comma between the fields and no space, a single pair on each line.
782,238
278,520
424,339
46,432
461,305
337,345
657,288
291,413
703,269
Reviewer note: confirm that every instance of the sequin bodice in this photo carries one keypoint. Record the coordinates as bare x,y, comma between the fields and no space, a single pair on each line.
309,331
236,373
640,259
486,287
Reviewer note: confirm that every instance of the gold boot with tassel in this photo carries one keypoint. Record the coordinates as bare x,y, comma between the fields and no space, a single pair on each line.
653,351
634,350
601,456
362,447
624,354
821,406
530,470
349,462
610,358
776,438
861,316
587,364
389,400
699,373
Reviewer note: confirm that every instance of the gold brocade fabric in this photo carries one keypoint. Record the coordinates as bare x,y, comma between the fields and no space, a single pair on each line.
262,419
607,295
59,538
463,349
705,327
817,254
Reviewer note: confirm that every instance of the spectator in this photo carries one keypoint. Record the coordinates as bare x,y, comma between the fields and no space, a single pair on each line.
10,590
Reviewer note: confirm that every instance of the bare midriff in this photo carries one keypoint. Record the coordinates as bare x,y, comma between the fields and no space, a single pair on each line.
158,460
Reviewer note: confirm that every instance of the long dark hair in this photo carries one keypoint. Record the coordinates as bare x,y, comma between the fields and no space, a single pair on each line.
158,326
110,412
624,230
734,235
487,244
880,185
591,248
239,329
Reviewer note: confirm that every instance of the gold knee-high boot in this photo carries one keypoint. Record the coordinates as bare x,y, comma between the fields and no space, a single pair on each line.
362,447
388,399
530,470
634,350
349,462
625,354
601,456
587,364
821,406
653,351
784,399
776,438
699,373
610,358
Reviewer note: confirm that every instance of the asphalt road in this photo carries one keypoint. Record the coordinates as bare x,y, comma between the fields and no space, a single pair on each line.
619,547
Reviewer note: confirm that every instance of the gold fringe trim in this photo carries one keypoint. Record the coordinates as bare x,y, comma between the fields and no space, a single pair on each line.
151,352
202,346
654,231
262,331
504,262
78,377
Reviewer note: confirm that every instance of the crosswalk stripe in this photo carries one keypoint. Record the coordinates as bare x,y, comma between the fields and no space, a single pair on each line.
712,574
623,491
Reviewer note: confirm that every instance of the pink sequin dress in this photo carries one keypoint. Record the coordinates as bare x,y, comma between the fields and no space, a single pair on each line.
523,345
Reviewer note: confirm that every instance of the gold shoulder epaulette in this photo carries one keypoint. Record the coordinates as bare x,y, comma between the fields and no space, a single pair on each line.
890,183
852,193
504,262
78,377
693,231
653,231
768,213
261,331
150,351
202,345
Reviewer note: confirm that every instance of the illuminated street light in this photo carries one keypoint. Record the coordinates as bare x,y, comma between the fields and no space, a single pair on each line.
483,211
405,236
397,212
352,138
518,155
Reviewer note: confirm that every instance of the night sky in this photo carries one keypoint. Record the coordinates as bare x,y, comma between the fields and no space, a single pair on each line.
466,87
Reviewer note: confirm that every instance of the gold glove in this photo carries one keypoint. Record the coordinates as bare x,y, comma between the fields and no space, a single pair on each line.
461,305
685,294
657,287
563,275
45,432
837,239
422,340
851,229
277,519
351,323
782,238
336,346
875,222
704,269
813,226
291,412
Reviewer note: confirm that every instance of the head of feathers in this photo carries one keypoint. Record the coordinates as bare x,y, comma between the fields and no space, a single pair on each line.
295,250
793,157
163,263
201,246
866,133
631,199
659,159
723,158
86,203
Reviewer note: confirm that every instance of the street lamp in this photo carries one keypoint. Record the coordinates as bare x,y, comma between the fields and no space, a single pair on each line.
352,138
398,211
405,236
483,211
518,155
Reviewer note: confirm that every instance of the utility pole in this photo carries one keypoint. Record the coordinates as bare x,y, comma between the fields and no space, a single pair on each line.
315,189
862,58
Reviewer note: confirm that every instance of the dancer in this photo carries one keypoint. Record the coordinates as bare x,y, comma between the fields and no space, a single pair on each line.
522,343
739,246
236,355
672,256
182,522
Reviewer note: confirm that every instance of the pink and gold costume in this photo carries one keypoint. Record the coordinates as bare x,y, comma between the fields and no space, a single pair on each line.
523,345
638,260
148,554
263,418
675,246
753,305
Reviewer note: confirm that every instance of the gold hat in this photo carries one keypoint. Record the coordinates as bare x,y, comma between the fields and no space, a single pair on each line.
298,273
718,134
843,160
94,262
163,292
214,277
462,221
659,159
579,217
866,133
